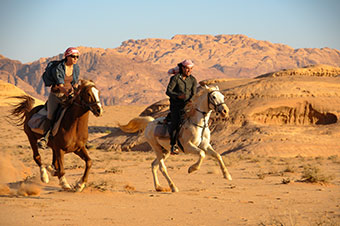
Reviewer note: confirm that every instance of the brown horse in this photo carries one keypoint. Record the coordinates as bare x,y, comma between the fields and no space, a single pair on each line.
72,134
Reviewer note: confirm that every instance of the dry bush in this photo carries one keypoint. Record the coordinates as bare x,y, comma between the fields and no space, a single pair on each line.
325,220
149,158
129,188
261,175
312,174
102,185
286,180
290,169
114,170
334,159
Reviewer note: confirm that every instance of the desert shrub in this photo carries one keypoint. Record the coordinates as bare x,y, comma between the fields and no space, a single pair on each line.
261,175
334,158
286,180
114,170
289,169
149,158
312,174
326,221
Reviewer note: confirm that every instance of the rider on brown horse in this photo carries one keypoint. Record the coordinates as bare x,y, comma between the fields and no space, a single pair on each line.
63,80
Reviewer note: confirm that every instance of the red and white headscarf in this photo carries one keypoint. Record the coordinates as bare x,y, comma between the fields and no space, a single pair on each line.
71,51
186,63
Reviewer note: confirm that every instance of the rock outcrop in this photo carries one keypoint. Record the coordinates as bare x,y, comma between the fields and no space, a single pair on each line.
277,116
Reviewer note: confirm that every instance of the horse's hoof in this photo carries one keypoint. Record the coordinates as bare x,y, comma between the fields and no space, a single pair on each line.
66,187
228,177
64,184
174,189
43,175
79,187
192,169
161,189
52,170
42,144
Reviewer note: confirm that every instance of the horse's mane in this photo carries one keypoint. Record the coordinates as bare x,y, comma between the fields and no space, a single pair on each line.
82,86
190,107
86,83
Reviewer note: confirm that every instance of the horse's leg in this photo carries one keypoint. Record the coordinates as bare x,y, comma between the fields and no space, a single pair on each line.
165,172
191,148
154,168
37,158
53,167
84,156
213,153
155,165
60,169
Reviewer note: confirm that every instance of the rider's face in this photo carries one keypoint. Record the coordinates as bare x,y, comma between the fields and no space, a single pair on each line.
72,59
186,70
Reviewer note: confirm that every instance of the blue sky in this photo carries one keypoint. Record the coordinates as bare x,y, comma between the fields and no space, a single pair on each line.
31,29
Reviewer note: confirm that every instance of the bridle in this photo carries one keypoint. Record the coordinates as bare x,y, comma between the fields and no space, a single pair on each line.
215,106
85,105
210,102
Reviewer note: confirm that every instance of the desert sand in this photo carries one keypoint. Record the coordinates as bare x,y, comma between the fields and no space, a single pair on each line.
264,190
280,145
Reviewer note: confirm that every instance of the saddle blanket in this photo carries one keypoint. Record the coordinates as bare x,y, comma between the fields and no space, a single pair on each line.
161,131
37,123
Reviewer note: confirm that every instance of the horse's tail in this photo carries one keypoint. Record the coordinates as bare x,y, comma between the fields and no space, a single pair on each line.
136,124
21,110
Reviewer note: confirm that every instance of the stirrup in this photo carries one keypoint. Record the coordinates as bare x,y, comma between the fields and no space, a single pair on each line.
174,150
42,143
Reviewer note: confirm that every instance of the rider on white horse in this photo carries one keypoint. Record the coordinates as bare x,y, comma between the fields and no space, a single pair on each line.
181,88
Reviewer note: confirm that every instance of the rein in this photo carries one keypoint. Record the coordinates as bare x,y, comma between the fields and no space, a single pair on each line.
83,104
215,106
210,101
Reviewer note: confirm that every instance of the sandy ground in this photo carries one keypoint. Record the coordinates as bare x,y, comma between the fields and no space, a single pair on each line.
264,190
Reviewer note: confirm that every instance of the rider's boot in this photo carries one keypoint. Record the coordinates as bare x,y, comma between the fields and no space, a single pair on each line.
174,148
42,143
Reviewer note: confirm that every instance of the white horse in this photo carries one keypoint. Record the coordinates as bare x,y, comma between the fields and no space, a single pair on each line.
194,135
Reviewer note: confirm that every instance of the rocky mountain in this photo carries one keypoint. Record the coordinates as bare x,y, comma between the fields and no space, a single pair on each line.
136,72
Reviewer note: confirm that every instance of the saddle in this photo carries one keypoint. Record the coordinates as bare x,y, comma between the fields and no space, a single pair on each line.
37,122
162,130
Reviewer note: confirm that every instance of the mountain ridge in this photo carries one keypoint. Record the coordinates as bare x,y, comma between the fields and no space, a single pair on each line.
136,71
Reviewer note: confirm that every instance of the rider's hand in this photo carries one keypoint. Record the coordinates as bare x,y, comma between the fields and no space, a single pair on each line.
62,89
182,96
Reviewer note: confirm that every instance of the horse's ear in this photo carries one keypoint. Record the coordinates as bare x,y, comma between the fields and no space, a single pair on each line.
216,87
205,86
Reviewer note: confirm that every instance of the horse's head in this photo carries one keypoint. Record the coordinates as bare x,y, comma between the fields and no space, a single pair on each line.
89,97
216,101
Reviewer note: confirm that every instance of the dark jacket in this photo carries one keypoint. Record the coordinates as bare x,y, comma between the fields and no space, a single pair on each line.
177,86
57,75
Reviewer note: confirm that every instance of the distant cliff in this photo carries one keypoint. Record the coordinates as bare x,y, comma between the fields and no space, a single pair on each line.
136,72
